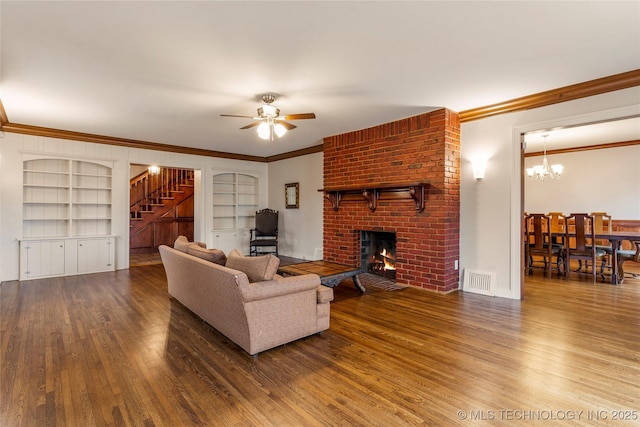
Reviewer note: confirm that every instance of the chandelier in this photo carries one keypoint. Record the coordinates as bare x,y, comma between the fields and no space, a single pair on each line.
540,172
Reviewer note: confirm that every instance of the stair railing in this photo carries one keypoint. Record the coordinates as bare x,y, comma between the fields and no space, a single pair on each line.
148,189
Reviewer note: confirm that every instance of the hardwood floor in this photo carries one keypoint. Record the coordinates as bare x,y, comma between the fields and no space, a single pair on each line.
114,349
137,260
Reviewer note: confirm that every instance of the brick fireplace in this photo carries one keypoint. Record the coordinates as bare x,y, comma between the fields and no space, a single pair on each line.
423,148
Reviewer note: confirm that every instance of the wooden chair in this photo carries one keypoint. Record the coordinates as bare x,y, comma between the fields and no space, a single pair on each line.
627,255
580,244
538,242
265,233
557,224
602,224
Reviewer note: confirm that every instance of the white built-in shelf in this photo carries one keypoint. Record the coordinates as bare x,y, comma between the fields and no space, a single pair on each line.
45,186
46,171
66,198
77,187
235,201
43,202
45,219
92,203
95,218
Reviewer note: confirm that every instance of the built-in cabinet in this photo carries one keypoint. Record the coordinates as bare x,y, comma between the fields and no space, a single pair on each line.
40,258
235,201
66,224
95,254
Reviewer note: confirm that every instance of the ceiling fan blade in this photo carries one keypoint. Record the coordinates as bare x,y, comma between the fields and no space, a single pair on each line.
250,125
233,115
288,126
300,116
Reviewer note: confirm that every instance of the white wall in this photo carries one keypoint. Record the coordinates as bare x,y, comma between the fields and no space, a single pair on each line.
300,230
13,145
606,180
490,233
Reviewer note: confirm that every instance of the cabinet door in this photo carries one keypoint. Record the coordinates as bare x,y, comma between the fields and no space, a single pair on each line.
95,255
242,241
41,259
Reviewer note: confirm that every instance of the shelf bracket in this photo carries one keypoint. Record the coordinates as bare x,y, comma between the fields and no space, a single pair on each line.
371,196
417,194
334,198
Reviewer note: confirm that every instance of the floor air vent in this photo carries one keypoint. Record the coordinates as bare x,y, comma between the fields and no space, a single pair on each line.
479,282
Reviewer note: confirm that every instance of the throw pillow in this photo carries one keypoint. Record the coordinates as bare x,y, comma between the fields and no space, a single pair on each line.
181,244
257,268
212,255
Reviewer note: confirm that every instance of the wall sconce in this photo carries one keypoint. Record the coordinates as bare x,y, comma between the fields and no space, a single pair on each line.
154,170
479,166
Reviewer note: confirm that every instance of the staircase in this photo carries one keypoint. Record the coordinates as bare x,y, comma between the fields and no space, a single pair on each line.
161,209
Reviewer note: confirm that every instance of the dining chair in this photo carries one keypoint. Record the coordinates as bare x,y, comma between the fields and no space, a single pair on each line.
602,223
538,243
580,243
627,255
557,223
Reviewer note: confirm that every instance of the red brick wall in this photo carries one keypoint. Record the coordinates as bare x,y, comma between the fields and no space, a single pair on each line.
424,147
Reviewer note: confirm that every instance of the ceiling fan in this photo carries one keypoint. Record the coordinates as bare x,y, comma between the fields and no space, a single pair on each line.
269,121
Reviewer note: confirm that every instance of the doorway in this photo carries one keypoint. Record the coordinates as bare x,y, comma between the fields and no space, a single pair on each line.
161,207
600,156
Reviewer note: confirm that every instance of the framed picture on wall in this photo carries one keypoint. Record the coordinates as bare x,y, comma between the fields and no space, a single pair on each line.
292,195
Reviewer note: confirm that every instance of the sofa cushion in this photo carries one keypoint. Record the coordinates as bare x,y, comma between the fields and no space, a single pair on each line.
181,244
212,255
257,268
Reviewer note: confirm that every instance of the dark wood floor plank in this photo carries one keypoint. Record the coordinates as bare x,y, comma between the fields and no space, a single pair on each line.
115,349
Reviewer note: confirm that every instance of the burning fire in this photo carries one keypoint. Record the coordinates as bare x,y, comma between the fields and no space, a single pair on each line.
389,261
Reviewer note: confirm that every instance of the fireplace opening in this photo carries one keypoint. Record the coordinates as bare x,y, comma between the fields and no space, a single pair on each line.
378,253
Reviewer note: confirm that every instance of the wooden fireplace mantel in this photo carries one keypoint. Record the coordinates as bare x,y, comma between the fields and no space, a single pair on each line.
372,193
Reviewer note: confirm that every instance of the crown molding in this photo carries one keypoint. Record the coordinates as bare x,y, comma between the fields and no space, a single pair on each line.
297,153
556,96
122,142
585,148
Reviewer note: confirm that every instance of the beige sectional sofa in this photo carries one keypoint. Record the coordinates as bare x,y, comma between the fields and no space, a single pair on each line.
256,315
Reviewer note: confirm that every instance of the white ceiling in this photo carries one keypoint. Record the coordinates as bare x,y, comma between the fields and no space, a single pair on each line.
163,71
621,130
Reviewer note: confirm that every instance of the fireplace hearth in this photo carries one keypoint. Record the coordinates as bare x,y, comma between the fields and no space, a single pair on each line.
378,253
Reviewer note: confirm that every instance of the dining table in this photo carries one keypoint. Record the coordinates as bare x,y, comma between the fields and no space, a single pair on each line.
615,238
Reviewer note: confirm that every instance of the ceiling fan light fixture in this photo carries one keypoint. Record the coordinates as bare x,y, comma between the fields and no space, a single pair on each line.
279,129
264,131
